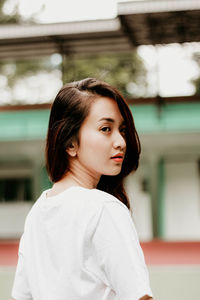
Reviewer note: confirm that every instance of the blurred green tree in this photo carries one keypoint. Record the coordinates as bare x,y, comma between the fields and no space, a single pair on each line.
10,13
15,70
196,81
12,17
126,71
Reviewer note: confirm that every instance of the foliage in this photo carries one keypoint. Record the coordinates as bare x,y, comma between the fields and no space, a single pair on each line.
19,69
15,70
14,17
117,69
196,81
125,71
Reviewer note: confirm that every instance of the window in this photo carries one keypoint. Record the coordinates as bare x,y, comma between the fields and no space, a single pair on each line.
15,189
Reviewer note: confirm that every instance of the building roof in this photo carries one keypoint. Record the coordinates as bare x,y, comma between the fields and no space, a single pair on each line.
151,22
142,22
17,41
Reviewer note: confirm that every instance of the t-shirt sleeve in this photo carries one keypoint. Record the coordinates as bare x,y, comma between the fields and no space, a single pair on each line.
20,290
119,254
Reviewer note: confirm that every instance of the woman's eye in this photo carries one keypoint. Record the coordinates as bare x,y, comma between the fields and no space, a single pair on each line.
123,130
105,129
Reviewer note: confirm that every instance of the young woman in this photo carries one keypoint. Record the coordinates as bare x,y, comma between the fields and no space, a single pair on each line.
79,241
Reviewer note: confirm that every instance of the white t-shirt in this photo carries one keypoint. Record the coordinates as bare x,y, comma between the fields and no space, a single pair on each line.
80,245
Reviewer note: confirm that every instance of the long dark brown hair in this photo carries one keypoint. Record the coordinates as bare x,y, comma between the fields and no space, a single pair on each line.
69,109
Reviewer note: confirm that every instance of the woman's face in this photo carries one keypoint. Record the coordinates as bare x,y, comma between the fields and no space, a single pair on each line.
102,144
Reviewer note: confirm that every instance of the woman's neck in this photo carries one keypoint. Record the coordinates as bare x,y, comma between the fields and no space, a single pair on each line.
78,175
81,176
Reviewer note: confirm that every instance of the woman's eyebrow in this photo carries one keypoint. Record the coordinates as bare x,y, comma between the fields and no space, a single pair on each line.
111,121
107,119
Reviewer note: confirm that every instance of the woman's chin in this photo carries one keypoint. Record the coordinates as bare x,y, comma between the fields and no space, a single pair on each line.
113,172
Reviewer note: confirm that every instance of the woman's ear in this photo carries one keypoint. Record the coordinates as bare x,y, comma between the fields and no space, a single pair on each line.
72,149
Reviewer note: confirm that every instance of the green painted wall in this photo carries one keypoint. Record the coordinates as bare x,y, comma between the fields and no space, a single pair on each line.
23,125
160,194
181,117
32,124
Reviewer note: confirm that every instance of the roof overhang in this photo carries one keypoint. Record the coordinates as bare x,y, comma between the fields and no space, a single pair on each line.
77,38
151,22
145,22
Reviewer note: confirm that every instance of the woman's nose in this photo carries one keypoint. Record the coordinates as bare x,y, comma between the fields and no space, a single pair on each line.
119,141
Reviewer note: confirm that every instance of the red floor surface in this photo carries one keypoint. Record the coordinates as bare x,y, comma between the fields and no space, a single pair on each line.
156,252
8,253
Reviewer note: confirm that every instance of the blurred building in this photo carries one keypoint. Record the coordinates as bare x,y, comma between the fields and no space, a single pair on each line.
165,191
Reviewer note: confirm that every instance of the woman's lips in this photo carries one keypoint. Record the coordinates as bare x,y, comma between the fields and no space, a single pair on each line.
118,157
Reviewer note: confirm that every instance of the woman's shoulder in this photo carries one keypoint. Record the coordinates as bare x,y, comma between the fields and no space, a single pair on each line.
102,208
103,198
82,200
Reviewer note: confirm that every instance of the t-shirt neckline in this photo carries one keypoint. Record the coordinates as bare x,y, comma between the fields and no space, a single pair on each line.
64,191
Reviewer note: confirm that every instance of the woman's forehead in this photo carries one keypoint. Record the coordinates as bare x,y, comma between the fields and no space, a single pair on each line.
105,108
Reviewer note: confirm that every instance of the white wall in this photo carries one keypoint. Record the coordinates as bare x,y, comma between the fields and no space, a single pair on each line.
181,205
182,201
12,217
140,204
